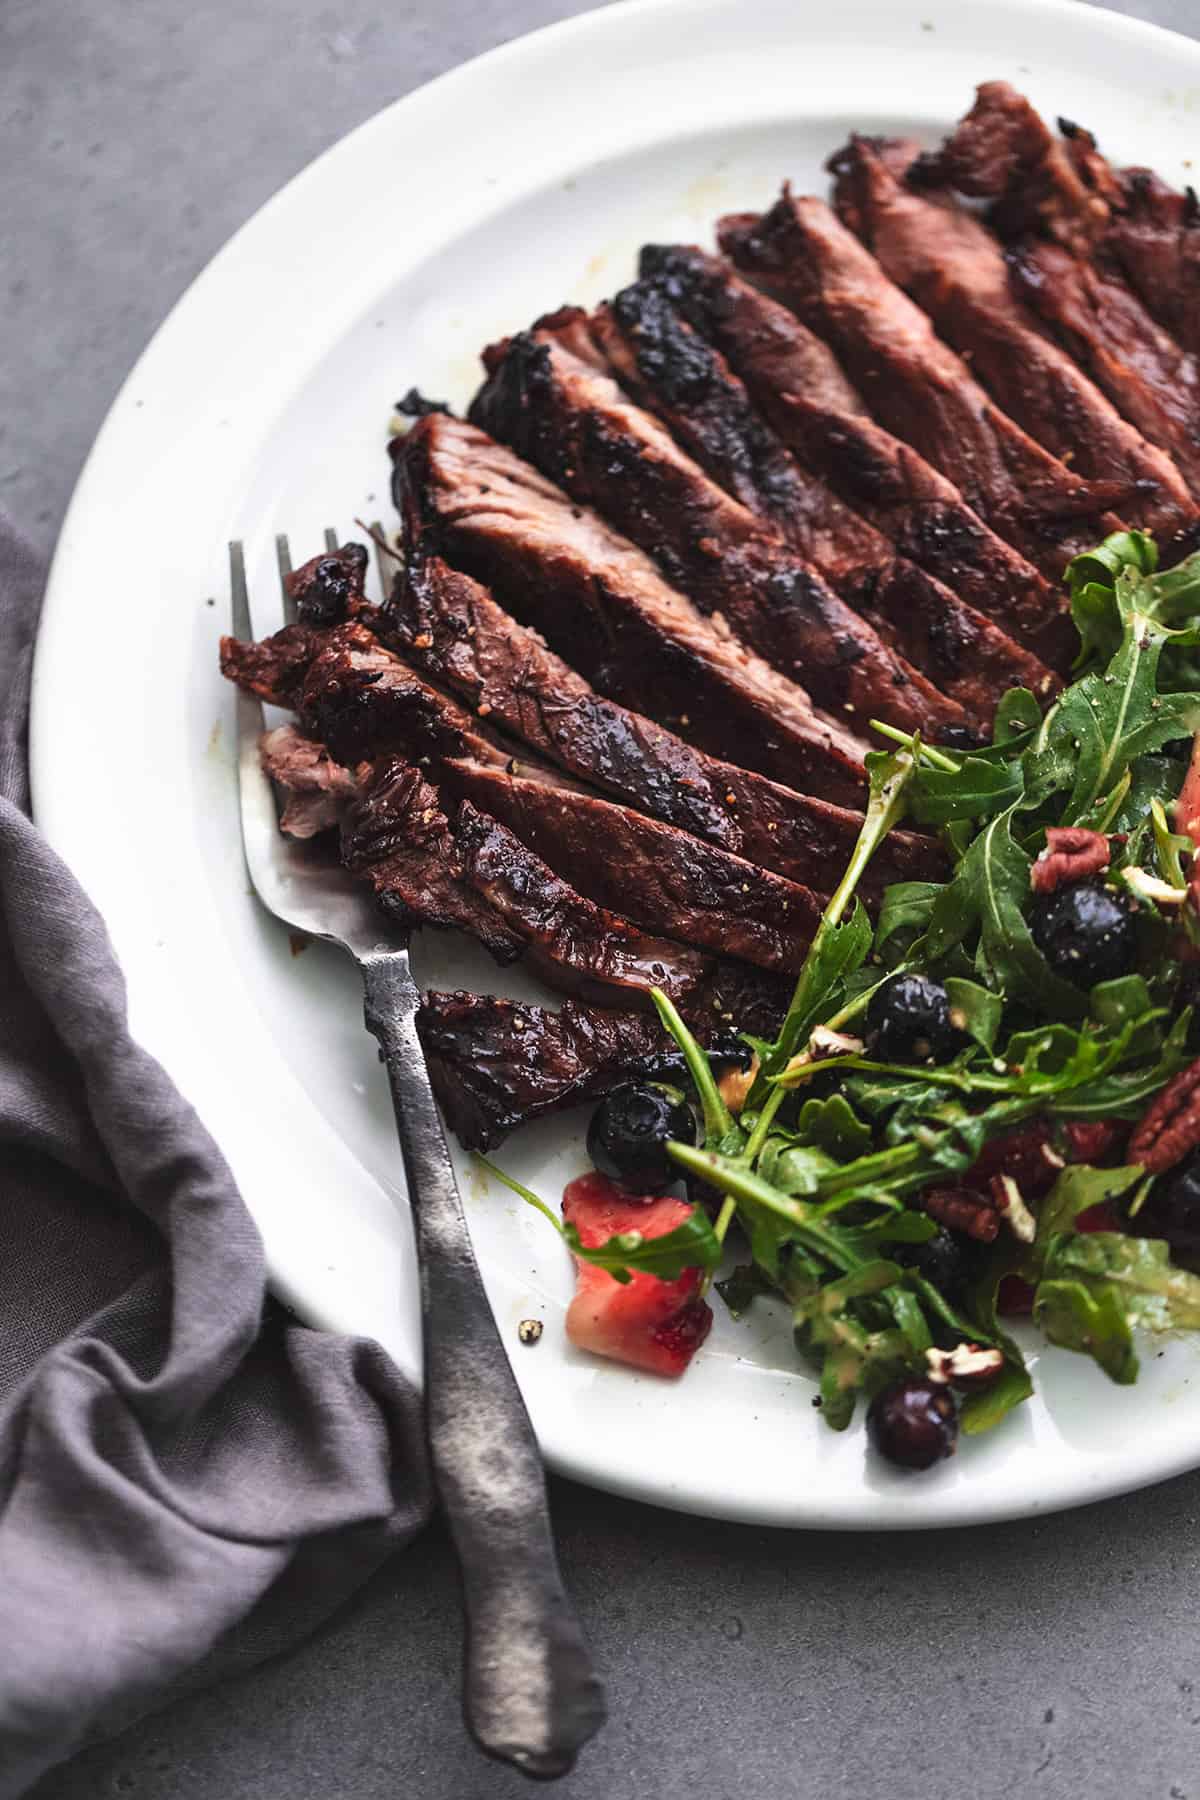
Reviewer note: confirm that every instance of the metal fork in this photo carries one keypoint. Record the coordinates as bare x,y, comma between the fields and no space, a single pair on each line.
530,1695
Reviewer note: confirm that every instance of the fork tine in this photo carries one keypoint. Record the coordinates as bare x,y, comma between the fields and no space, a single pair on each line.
242,628
383,557
331,539
283,557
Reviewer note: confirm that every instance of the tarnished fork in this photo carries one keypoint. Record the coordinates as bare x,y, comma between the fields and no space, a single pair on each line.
530,1695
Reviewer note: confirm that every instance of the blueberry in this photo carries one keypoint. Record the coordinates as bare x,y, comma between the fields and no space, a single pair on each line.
629,1132
908,1020
913,1423
944,1259
1086,931
1173,1210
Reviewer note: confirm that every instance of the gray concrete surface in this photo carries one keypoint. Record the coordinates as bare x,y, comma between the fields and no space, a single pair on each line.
1054,1659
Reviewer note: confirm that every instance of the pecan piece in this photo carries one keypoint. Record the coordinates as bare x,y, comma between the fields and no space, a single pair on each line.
961,1209
1170,1126
1071,854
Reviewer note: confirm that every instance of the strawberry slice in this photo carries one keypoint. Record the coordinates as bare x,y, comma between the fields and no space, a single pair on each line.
653,1324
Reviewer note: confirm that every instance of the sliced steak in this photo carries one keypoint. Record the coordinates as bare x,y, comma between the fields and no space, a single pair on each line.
474,875
1063,189
1003,151
274,668
660,877
797,385
601,604
672,370
1054,199
399,840
1099,319
456,633
318,789
568,416
955,269
577,946
1155,238
496,1064
916,385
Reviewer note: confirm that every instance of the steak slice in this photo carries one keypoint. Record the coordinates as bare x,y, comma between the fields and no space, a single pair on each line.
955,269
797,385
603,606
1003,151
917,386
475,876
660,877
567,415
399,840
1063,189
1098,318
275,667
1054,201
317,788
674,372
456,633
496,1064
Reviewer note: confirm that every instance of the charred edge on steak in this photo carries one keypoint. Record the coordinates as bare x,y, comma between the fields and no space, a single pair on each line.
1054,201
660,877
561,408
917,386
954,268
675,372
799,388
601,604
456,633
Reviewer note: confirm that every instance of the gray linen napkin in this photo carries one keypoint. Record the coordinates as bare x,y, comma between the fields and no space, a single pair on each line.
187,1483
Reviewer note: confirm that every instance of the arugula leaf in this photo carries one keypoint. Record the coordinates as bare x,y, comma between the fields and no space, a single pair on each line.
693,1244
1089,1320
840,945
986,895
739,1289
1153,1292
975,791
833,1126
903,915
719,1124
1105,721
1018,716
1076,1190
980,1011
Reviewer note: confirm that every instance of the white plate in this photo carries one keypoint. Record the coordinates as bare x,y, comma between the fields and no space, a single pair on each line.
526,178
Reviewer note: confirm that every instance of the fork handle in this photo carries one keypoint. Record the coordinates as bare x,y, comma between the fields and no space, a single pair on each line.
530,1694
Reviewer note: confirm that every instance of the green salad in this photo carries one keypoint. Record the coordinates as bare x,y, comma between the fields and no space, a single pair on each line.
979,1103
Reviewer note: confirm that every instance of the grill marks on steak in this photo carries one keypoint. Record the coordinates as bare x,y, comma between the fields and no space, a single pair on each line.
567,415
1054,201
601,604
916,385
399,840
1098,318
496,1064
955,269
661,878
1063,189
672,370
797,385
474,875
455,632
